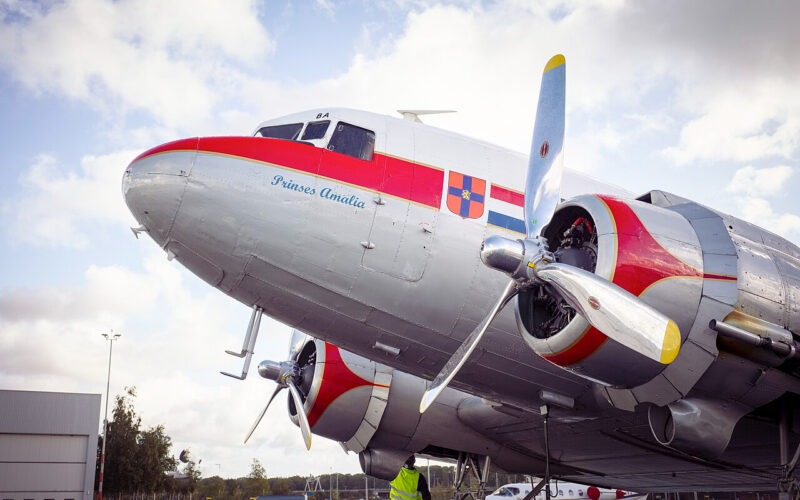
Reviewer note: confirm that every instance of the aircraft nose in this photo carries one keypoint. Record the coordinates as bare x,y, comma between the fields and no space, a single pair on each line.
154,183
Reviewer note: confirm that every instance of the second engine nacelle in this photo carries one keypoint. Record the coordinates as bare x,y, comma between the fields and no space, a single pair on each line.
373,410
652,252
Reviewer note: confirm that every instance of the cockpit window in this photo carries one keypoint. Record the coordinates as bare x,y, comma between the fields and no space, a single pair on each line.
289,131
316,130
353,141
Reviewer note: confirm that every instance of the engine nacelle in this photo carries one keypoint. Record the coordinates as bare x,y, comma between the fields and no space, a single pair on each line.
373,410
699,426
340,391
382,464
650,251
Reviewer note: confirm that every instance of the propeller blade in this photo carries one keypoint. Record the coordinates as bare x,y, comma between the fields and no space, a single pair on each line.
543,185
615,311
305,429
461,355
261,415
296,343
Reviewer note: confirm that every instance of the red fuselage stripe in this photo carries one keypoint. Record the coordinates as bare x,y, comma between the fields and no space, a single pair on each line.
384,174
179,145
725,277
507,195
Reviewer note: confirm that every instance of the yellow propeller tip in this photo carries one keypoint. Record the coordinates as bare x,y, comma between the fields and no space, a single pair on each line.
672,343
554,62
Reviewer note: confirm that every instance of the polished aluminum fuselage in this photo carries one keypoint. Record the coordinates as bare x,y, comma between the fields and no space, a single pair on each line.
254,230
371,257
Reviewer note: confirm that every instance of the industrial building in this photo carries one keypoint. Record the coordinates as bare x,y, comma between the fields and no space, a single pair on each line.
48,445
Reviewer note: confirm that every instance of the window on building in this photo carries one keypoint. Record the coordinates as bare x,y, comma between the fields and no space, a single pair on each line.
353,141
288,131
315,130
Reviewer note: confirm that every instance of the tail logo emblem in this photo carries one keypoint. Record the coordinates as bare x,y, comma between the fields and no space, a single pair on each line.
544,149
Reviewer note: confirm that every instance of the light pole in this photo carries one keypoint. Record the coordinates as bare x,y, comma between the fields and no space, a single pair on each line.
111,337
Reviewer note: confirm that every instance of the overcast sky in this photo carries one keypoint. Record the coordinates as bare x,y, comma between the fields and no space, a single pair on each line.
697,98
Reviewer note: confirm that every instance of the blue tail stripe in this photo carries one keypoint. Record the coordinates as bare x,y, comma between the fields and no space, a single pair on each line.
504,221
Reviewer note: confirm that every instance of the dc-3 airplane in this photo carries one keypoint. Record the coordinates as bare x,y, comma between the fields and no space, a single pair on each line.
651,344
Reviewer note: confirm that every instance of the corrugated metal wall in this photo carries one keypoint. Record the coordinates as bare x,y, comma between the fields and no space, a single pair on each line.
48,444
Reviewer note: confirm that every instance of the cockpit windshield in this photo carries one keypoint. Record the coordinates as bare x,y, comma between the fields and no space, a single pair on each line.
288,131
316,130
345,138
353,141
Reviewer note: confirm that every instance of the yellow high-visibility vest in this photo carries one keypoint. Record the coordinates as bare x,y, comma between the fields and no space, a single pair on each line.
404,486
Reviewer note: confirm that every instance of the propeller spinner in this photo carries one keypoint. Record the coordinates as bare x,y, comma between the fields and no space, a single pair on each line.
614,311
290,375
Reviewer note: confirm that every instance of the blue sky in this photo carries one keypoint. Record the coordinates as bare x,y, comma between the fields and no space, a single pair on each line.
694,98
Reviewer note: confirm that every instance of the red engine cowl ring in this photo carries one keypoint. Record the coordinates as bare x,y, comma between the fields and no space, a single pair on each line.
652,252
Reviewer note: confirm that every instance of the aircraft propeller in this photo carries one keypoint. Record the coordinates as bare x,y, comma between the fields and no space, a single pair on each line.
288,375
614,311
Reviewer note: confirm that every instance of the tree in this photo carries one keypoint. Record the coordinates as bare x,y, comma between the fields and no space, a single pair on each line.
136,460
279,486
257,483
257,470
191,470
121,471
154,459
213,487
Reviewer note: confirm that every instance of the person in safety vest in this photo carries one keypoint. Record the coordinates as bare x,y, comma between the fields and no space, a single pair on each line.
409,484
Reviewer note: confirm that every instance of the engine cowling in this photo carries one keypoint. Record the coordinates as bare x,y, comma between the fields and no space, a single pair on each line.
340,390
372,410
650,251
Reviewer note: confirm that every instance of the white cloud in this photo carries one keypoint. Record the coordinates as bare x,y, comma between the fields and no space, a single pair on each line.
56,202
760,182
327,6
106,289
169,58
171,349
743,125
759,211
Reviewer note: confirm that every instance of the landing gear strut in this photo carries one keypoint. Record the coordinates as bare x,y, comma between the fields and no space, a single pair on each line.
249,343
788,485
545,482
469,463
